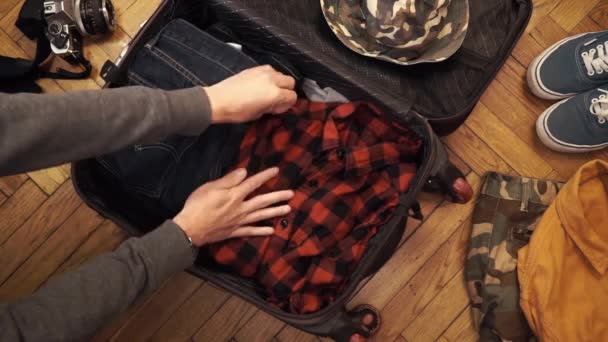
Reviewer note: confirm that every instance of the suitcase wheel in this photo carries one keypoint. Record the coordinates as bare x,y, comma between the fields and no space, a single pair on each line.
358,324
452,182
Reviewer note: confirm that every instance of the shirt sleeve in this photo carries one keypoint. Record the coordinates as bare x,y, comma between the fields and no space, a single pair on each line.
75,305
38,131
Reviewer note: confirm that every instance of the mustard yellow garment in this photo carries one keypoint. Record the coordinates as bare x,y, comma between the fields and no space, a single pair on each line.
562,271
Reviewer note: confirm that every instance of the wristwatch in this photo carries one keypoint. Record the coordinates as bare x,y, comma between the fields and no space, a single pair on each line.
192,246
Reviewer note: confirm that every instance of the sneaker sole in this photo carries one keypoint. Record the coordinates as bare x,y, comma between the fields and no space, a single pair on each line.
533,75
556,145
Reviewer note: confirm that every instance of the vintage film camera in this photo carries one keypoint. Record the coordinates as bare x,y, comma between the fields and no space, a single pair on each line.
68,21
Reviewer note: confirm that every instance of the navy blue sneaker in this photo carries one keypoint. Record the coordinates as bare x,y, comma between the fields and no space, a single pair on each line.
571,66
578,124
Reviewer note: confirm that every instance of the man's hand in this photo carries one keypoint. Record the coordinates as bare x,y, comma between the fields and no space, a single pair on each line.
218,210
249,94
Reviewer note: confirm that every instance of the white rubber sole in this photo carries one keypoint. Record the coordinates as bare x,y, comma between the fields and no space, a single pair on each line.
555,144
533,75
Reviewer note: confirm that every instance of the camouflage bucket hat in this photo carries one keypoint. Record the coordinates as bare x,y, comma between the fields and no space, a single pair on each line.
405,32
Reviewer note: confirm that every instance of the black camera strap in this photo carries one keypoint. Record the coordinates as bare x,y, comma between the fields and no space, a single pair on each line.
18,74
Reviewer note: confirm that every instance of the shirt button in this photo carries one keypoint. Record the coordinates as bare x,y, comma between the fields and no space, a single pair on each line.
313,183
284,223
341,153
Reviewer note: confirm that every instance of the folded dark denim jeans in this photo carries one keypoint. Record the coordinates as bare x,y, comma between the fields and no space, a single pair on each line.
261,56
180,56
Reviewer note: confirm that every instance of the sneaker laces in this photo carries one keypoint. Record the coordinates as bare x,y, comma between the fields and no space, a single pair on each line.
599,107
596,59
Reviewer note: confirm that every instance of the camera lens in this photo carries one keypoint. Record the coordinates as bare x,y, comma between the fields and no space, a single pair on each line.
55,28
96,16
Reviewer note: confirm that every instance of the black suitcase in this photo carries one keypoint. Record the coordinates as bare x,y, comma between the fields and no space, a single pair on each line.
408,94
444,93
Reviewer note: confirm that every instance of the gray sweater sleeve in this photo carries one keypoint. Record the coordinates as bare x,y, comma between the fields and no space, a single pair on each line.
38,131
75,305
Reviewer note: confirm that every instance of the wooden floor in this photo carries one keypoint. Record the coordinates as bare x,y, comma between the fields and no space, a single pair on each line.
46,230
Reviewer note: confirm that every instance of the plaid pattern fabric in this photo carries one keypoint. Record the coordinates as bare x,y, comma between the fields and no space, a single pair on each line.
347,168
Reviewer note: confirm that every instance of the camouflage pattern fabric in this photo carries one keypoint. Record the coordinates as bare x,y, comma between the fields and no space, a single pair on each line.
505,216
400,31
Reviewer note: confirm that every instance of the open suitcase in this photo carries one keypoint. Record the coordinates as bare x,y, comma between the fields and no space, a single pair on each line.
438,94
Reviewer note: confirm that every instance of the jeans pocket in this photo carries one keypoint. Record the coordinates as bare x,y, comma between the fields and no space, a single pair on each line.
134,79
154,66
146,169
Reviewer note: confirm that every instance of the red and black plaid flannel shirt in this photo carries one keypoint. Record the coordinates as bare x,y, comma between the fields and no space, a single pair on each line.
347,167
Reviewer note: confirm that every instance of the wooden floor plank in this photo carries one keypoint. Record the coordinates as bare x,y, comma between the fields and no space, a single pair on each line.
569,12
587,25
7,22
291,334
440,313
260,328
196,311
434,275
18,208
526,50
462,329
466,144
548,32
10,48
161,306
6,6
600,14
45,220
10,184
226,321
513,78
428,204
508,127
49,180
49,256
114,44
137,14
458,162
121,6
113,326
542,8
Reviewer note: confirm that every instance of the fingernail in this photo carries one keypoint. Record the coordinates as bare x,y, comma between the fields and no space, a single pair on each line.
241,172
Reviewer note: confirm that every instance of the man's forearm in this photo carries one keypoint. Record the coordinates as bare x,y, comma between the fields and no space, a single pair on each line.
38,131
75,305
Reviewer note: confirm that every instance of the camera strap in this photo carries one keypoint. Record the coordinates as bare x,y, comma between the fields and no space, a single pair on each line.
18,74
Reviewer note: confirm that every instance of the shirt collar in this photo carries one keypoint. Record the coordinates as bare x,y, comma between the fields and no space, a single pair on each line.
571,212
390,147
